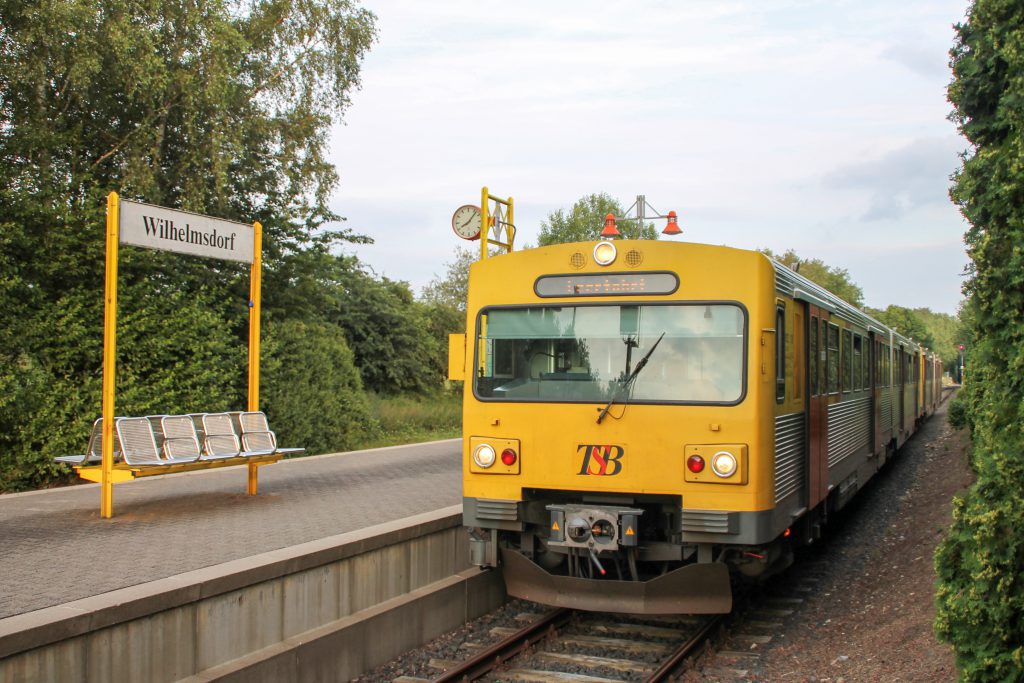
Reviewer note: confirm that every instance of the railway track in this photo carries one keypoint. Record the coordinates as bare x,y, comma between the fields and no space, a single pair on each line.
584,647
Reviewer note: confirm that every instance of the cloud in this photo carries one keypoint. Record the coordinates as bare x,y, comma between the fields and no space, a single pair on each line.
903,180
923,59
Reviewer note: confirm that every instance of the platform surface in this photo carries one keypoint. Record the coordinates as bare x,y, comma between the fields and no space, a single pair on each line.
55,547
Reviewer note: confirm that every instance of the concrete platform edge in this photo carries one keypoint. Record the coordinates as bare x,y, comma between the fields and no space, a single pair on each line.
53,624
354,645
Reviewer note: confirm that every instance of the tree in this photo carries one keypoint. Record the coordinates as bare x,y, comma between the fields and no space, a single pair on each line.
453,288
946,334
218,107
980,562
834,279
906,321
585,220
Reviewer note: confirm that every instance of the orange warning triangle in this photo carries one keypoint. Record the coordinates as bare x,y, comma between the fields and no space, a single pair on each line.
629,531
554,526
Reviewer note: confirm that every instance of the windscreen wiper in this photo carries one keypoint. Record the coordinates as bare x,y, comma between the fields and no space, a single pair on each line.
629,379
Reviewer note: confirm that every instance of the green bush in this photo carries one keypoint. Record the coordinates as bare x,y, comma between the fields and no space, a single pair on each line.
311,388
957,413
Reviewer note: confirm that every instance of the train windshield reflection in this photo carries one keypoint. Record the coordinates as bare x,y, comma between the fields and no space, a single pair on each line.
584,353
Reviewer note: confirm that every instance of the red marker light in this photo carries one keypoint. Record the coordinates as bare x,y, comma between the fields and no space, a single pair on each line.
673,225
508,457
695,464
609,226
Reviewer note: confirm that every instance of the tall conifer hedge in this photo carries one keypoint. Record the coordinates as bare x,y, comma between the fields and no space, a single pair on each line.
981,561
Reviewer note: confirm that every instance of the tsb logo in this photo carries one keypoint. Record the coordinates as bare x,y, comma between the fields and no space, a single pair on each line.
601,460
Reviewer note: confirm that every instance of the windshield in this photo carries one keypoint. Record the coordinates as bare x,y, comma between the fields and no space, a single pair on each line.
585,353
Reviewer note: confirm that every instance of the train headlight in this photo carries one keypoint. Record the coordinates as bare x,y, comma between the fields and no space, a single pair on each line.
494,455
723,463
716,463
604,253
484,456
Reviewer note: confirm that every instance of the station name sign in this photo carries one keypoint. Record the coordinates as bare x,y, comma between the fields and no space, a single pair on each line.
155,227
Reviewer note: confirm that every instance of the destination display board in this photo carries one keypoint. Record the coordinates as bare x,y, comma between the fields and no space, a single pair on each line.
156,227
606,284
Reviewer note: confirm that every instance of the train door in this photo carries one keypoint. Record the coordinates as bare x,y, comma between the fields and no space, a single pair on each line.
817,413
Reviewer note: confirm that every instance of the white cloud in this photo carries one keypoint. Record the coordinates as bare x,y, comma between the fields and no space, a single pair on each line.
780,124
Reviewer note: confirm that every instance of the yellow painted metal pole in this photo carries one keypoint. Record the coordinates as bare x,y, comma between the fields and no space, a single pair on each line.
485,223
255,285
109,359
510,230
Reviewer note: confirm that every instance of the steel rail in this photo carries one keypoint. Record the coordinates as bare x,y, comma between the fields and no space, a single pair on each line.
669,666
495,655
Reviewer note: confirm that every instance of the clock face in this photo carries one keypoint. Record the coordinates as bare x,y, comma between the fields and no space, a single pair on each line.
466,222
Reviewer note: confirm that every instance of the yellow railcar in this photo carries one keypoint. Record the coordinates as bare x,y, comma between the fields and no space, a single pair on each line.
644,420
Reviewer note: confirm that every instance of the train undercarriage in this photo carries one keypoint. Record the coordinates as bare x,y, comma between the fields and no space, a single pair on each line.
619,553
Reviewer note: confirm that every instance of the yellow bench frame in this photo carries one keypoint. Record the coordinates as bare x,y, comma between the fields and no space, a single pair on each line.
121,472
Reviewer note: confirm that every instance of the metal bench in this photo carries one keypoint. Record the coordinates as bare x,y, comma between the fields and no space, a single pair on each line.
162,444
257,439
93,450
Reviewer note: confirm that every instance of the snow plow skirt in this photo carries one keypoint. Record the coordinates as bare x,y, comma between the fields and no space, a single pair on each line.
693,589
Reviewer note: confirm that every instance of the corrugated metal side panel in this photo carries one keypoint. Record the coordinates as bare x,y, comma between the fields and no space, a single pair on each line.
503,510
849,428
790,449
785,281
886,407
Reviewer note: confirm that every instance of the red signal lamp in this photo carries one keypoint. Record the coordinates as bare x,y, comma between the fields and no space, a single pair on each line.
672,228
609,227
509,457
695,464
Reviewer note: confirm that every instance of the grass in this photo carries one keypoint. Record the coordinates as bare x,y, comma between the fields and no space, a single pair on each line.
408,419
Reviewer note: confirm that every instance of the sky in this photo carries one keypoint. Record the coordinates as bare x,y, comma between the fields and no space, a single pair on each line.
820,126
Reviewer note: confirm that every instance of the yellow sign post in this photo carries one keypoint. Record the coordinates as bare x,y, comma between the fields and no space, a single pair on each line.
156,227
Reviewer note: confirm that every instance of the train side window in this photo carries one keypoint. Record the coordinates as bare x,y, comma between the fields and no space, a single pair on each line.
823,358
780,354
887,366
847,354
813,353
796,341
878,364
858,363
832,359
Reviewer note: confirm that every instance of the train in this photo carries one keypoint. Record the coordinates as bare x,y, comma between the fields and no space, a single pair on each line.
647,422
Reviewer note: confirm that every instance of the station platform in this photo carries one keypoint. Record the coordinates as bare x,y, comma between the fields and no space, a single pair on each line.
57,549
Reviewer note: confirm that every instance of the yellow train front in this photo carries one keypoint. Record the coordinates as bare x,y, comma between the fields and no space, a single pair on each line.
644,419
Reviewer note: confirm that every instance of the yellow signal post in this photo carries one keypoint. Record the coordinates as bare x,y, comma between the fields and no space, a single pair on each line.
503,221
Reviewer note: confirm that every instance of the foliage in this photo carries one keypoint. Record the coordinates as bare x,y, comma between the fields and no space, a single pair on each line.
981,560
905,321
946,334
452,288
219,107
834,279
307,365
957,412
585,220
408,419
